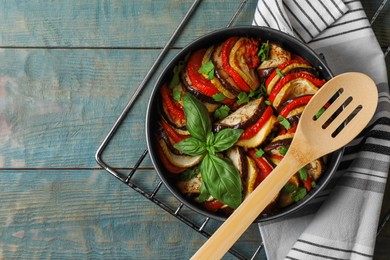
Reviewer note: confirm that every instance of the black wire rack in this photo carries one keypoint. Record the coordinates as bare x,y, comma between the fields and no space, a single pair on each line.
201,226
205,226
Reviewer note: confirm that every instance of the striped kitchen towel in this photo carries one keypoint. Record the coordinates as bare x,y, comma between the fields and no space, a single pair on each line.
341,222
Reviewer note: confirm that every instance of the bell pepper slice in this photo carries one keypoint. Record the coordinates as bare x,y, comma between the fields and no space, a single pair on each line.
292,130
307,183
264,168
253,129
284,68
171,133
317,82
298,102
199,82
173,108
277,157
225,54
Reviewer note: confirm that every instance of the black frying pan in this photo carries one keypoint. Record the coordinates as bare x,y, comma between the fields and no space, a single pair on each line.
288,42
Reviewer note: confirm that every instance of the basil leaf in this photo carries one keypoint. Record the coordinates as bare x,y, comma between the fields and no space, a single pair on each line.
259,153
219,97
279,73
210,75
259,92
264,51
299,194
197,117
177,95
283,150
313,184
222,179
222,112
303,173
242,98
191,146
267,102
208,69
284,122
204,193
176,75
289,187
209,143
262,89
226,138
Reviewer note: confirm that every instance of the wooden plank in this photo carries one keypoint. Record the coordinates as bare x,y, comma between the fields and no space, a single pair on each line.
89,214
56,106
85,23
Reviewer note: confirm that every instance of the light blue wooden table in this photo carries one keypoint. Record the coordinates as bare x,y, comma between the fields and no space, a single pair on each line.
67,69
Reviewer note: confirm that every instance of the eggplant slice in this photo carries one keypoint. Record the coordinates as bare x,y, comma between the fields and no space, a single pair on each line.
294,88
243,117
277,56
221,74
226,91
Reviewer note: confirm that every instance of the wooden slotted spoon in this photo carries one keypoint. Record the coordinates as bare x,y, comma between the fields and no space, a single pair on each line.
358,98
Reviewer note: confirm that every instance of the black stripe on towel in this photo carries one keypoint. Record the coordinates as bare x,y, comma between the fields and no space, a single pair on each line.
326,8
350,2
261,14
299,36
369,129
341,33
361,184
375,148
289,257
347,22
338,8
353,171
318,14
272,14
314,254
355,10
333,248
282,15
307,16
300,23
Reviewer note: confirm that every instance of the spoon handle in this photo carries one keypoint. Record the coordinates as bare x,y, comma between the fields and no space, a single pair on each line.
231,230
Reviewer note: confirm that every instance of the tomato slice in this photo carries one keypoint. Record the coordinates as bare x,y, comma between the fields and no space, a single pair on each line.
298,102
253,129
264,168
172,134
225,53
199,82
174,109
213,205
317,82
